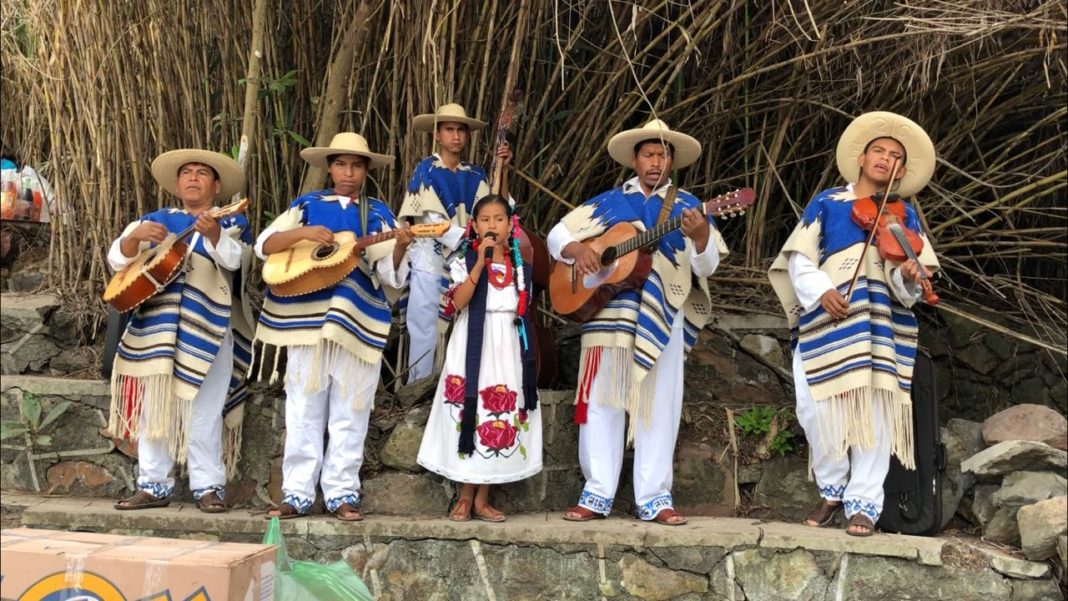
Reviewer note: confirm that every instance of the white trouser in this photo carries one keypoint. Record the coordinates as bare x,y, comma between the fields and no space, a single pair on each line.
422,323
308,415
856,479
601,438
206,469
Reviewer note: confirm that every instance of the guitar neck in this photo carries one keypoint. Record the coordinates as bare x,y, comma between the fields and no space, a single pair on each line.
649,237
376,238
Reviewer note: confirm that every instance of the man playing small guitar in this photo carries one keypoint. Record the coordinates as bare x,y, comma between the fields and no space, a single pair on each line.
633,349
335,335
180,366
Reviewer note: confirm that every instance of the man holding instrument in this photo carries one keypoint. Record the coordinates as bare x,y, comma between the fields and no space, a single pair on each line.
634,348
855,352
443,187
334,336
179,371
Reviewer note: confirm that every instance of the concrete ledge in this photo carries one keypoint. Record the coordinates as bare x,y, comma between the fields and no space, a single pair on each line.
71,513
60,387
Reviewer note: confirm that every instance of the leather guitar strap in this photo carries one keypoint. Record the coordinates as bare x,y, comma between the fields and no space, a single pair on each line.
665,207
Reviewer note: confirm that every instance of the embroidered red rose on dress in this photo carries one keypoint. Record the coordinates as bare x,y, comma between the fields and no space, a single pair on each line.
454,389
498,399
497,435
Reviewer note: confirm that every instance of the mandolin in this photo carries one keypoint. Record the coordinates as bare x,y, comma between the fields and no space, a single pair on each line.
156,267
580,299
309,266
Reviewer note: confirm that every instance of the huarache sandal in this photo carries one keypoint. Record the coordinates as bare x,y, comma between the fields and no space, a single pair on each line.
347,512
461,512
142,500
581,514
670,517
285,511
860,525
823,513
210,502
488,514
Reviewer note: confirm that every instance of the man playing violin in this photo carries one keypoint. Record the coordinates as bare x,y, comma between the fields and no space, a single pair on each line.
179,370
851,319
634,348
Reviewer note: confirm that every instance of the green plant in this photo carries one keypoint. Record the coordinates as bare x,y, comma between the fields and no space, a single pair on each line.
30,421
782,443
755,421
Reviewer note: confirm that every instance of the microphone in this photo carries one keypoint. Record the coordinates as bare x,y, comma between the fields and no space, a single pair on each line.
488,254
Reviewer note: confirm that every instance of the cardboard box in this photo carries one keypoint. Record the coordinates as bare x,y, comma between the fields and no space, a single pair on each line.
44,565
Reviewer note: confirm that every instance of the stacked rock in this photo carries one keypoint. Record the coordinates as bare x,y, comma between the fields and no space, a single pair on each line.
1020,496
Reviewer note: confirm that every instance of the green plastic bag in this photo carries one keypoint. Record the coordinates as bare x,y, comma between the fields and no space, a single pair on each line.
296,580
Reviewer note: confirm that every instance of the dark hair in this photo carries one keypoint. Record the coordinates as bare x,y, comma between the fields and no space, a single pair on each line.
491,199
904,151
330,158
213,171
669,145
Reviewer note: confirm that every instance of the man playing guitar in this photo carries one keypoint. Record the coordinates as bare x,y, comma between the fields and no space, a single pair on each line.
181,363
633,349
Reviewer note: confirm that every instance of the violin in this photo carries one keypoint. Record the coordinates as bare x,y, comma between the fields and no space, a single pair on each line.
884,217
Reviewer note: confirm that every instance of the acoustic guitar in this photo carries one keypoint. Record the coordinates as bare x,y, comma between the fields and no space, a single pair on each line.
309,266
157,267
580,298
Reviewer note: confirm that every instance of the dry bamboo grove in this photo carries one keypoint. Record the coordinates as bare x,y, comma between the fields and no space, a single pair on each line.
92,91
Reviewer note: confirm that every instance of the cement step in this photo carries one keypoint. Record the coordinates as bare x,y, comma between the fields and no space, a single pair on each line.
540,556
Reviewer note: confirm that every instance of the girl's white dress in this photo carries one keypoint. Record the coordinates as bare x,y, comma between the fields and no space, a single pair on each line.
507,439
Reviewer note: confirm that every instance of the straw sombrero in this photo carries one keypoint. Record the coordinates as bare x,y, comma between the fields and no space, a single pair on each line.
447,113
165,170
345,142
621,145
919,150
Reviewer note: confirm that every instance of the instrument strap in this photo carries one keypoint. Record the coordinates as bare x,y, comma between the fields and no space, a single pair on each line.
665,206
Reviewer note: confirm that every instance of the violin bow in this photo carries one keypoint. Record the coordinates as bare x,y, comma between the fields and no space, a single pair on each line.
504,124
871,236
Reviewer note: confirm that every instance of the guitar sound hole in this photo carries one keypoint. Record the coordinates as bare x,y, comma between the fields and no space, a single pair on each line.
608,256
325,251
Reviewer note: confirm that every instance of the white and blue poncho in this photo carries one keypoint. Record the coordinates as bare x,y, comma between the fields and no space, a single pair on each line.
869,355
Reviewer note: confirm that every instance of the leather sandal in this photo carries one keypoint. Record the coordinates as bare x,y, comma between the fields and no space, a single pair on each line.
285,512
581,514
488,514
347,512
860,525
210,502
823,514
142,500
670,517
461,512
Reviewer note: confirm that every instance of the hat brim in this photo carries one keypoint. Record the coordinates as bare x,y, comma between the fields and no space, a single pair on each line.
621,146
317,155
165,170
919,150
428,121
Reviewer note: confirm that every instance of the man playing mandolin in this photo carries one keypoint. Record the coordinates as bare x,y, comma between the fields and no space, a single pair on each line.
443,187
335,335
180,366
634,348
854,356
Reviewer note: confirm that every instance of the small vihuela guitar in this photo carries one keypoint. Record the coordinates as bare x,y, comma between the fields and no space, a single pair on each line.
157,267
309,266
580,298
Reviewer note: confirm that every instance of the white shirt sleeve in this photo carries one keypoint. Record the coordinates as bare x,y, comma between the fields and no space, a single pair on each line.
228,252
558,238
452,238
264,235
809,282
705,263
458,271
394,278
116,260
907,293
